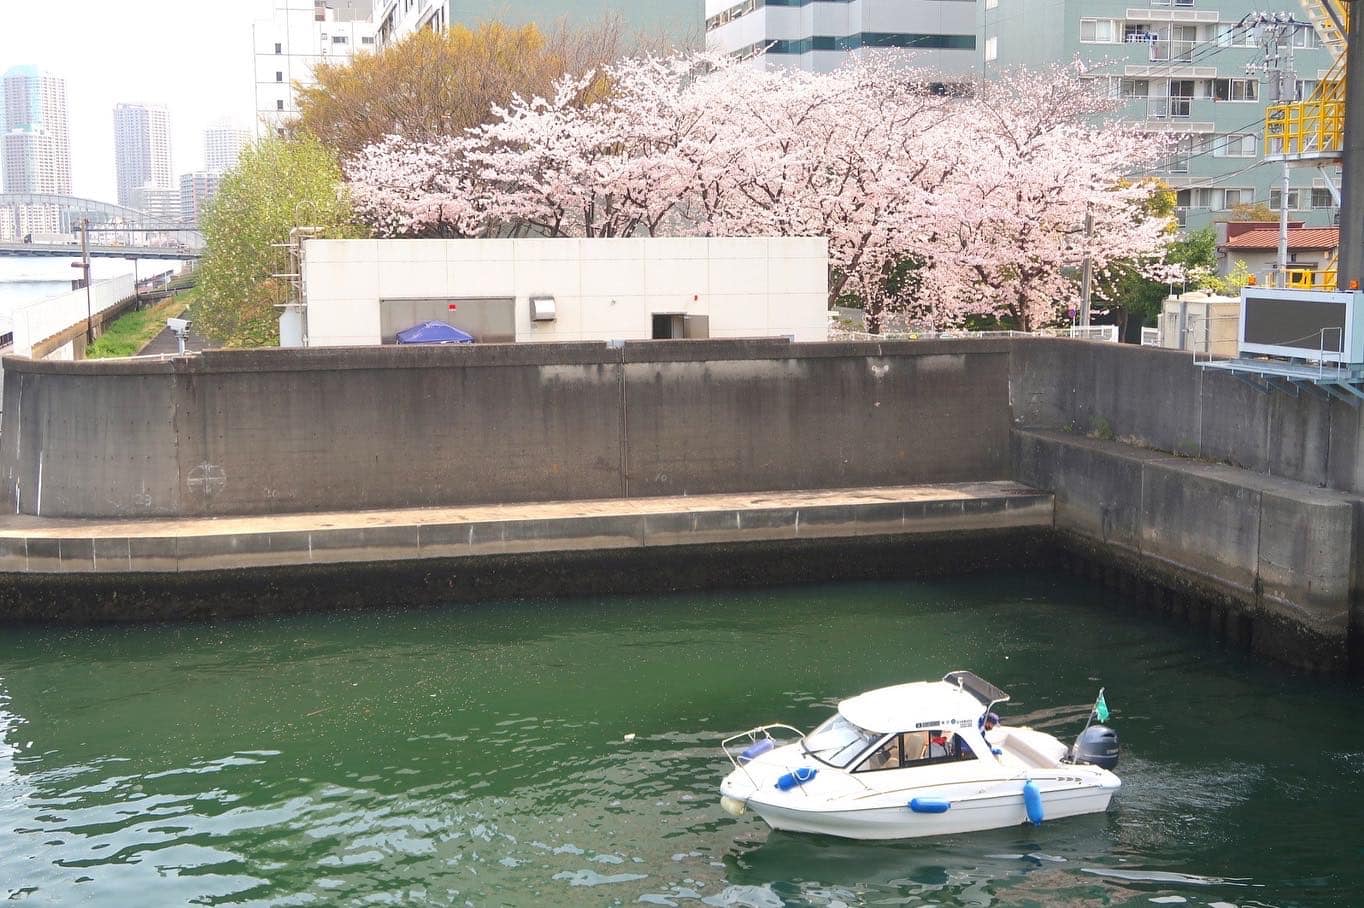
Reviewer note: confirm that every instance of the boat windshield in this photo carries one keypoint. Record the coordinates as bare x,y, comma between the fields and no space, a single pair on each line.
838,742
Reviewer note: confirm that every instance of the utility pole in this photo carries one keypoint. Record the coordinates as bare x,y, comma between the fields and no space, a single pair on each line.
1351,263
1280,75
84,266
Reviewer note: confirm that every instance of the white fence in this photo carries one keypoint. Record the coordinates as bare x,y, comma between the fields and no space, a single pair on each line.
1150,337
40,320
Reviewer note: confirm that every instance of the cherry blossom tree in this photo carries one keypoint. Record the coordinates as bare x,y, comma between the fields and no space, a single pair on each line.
938,205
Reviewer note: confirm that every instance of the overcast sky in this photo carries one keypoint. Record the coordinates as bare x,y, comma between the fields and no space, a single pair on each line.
194,56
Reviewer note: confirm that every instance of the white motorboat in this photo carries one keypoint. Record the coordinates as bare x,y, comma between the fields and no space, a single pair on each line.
918,760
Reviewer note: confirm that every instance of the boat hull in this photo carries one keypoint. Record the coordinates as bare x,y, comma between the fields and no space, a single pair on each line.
899,822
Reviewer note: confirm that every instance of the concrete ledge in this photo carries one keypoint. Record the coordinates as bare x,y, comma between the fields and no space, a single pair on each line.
87,598
1280,551
36,546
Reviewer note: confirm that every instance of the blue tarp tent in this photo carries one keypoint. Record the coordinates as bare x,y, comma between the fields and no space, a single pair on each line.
434,333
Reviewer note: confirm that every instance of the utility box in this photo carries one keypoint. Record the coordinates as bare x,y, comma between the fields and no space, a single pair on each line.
542,309
1302,324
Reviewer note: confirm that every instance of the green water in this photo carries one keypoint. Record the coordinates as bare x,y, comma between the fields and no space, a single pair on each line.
477,755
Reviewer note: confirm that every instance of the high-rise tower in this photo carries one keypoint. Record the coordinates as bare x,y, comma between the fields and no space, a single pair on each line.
142,149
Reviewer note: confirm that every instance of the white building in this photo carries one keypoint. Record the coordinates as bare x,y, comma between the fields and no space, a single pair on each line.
396,19
196,189
142,149
299,35
362,292
223,144
161,202
35,146
818,36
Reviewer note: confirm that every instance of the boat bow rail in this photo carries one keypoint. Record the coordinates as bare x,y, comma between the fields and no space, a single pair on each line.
751,737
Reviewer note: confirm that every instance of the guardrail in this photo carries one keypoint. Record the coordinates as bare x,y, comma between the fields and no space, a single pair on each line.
39,320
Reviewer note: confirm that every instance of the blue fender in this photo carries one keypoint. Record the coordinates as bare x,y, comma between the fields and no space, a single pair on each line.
1032,801
799,777
930,805
755,750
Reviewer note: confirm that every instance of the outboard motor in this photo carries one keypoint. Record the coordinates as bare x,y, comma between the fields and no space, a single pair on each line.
1096,745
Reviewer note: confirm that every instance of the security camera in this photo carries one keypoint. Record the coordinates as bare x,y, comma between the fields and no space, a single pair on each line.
178,325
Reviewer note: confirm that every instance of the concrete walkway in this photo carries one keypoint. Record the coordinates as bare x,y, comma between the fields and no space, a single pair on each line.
55,546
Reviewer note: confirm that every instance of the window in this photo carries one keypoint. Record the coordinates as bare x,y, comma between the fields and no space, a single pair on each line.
1213,198
1236,145
917,748
1232,35
279,76
838,742
1276,199
367,39
1184,149
279,104
1236,89
1098,31
1305,37
1322,198
279,48
340,39
992,48
1137,33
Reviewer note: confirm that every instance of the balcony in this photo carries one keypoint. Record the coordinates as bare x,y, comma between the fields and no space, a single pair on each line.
1176,108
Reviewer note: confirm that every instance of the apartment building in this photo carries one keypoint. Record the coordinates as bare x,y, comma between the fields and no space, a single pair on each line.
35,147
196,190
298,36
818,35
223,144
1184,67
1181,67
142,149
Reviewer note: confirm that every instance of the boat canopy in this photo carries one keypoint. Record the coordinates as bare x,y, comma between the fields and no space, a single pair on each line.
977,686
910,707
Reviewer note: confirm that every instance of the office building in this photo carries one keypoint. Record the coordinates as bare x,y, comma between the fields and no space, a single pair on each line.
161,203
223,144
142,149
35,147
818,35
677,22
300,35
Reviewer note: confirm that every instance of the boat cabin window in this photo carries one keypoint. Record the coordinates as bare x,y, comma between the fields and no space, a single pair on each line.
838,742
918,748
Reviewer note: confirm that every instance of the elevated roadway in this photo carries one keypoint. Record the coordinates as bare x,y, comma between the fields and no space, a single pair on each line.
69,250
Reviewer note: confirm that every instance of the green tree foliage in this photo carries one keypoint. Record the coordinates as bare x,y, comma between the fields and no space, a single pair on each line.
276,186
1139,297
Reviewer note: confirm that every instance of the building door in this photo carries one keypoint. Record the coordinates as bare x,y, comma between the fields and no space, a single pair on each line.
675,326
669,327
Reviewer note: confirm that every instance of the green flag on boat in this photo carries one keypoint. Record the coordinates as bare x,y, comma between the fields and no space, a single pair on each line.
1101,707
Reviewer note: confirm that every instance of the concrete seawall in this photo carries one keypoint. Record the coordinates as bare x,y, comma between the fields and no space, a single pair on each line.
278,431
1192,484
